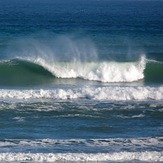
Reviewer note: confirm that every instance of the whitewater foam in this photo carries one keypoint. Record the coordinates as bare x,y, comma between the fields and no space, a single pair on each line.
113,144
99,93
97,71
82,157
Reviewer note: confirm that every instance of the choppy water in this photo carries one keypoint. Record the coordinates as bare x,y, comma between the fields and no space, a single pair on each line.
81,81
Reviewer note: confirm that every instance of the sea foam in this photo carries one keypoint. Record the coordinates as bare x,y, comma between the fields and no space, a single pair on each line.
98,71
83,157
94,93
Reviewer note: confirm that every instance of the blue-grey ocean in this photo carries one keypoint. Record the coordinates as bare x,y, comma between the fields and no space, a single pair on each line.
81,81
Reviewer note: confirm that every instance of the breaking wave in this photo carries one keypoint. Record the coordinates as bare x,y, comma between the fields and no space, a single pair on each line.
98,71
82,157
39,71
99,93
112,150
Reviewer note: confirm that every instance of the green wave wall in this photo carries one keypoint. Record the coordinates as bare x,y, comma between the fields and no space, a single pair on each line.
18,72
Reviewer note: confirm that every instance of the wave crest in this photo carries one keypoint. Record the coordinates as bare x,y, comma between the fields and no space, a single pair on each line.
39,71
100,93
97,71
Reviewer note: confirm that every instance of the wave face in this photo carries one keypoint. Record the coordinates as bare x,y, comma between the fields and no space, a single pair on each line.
39,71
154,72
19,72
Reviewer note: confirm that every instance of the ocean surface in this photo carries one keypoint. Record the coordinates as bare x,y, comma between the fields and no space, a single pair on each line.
81,81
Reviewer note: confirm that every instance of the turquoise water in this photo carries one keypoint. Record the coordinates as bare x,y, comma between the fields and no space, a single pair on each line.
81,81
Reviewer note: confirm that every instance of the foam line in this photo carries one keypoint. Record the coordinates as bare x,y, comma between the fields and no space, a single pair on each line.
100,93
82,157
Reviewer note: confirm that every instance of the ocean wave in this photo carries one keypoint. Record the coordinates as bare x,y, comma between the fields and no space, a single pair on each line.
98,71
151,156
100,93
39,71
112,149
114,144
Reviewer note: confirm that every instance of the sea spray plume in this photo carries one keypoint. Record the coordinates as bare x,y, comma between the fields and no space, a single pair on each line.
75,49
76,57
134,49
54,48
120,48
71,57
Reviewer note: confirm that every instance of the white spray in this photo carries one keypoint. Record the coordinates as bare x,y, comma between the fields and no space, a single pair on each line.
76,57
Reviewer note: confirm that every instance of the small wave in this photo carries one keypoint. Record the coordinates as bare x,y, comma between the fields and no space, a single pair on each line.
151,156
114,144
119,93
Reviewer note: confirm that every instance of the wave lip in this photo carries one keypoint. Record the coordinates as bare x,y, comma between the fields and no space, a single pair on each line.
151,156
